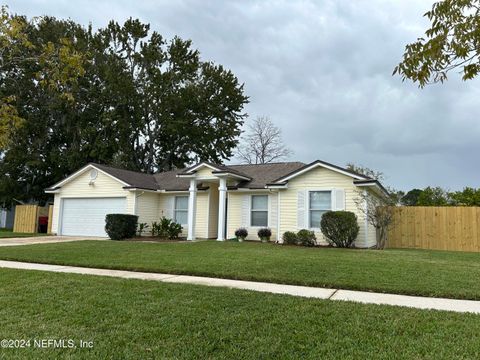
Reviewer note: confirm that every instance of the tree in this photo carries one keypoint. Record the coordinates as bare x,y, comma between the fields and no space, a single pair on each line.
365,171
263,143
56,67
450,43
178,108
378,210
434,196
394,194
138,101
411,197
467,197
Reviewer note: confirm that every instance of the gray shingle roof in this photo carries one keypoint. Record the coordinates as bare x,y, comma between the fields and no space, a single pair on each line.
260,175
133,178
264,174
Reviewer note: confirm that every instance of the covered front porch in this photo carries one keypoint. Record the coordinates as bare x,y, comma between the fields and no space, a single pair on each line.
206,176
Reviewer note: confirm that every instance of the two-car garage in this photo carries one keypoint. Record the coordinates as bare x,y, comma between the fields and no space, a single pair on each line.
86,216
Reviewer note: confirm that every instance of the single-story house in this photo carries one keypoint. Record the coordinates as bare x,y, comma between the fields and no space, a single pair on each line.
211,201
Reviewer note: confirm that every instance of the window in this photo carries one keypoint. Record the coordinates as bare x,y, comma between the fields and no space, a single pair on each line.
259,210
181,210
319,203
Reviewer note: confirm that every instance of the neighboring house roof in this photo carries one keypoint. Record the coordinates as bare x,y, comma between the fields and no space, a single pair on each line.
251,176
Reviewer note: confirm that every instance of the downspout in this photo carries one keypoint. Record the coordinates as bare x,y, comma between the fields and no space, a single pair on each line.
135,201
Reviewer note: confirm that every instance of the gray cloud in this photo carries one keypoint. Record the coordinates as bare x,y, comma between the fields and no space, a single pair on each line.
322,71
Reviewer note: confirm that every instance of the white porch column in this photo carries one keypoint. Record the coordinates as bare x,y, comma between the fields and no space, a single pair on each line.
192,209
222,201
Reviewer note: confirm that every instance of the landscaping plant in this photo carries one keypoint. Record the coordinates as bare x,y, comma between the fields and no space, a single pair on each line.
241,234
264,234
306,238
290,238
166,228
340,228
141,228
120,226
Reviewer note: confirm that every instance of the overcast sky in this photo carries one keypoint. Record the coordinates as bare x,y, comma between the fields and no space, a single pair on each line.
321,70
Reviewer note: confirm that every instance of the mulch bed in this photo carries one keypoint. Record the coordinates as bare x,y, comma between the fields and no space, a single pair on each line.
156,239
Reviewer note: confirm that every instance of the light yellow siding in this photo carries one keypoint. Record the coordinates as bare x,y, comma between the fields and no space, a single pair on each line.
166,207
236,208
201,224
320,179
204,171
104,186
213,212
147,208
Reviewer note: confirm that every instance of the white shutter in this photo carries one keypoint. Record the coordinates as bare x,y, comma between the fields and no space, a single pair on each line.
272,211
301,205
169,206
338,200
245,210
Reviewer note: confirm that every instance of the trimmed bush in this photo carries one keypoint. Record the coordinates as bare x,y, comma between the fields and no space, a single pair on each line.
166,228
241,234
340,228
264,234
306,238
121,226
290,238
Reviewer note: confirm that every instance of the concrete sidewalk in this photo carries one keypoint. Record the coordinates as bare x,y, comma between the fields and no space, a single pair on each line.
303,291
43,240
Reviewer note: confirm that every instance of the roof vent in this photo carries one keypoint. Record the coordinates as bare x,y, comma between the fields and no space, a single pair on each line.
93,176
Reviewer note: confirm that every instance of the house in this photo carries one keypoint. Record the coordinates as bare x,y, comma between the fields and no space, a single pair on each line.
212,201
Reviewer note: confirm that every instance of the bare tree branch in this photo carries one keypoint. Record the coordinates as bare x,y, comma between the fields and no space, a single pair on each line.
378,212
262,143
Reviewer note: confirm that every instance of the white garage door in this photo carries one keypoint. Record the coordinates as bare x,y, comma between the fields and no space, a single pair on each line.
86,217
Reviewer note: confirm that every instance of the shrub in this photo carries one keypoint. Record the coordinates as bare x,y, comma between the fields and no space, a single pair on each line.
340,228
166,228
264,234
120,226
290,238
241,234
306,238
141,228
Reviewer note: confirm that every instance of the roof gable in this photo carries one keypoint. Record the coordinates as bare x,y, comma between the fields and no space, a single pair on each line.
80,172
316,164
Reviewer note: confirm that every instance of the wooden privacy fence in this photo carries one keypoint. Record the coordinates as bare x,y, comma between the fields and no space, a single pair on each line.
442,228
26,218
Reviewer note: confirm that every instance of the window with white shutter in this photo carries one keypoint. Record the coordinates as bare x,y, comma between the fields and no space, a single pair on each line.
319,202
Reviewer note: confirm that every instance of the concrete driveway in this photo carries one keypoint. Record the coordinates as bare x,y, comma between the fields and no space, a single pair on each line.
44,240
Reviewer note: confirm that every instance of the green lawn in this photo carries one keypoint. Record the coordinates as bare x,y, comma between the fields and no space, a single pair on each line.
415,272
134,319
4,233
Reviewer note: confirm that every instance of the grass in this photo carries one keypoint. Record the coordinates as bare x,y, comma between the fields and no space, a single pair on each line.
7,233
133,319
414,272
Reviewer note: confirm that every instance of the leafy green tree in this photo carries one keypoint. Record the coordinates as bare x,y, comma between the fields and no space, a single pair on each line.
411,197
53,67
434,196
179,109
467,197
450,43
119,95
